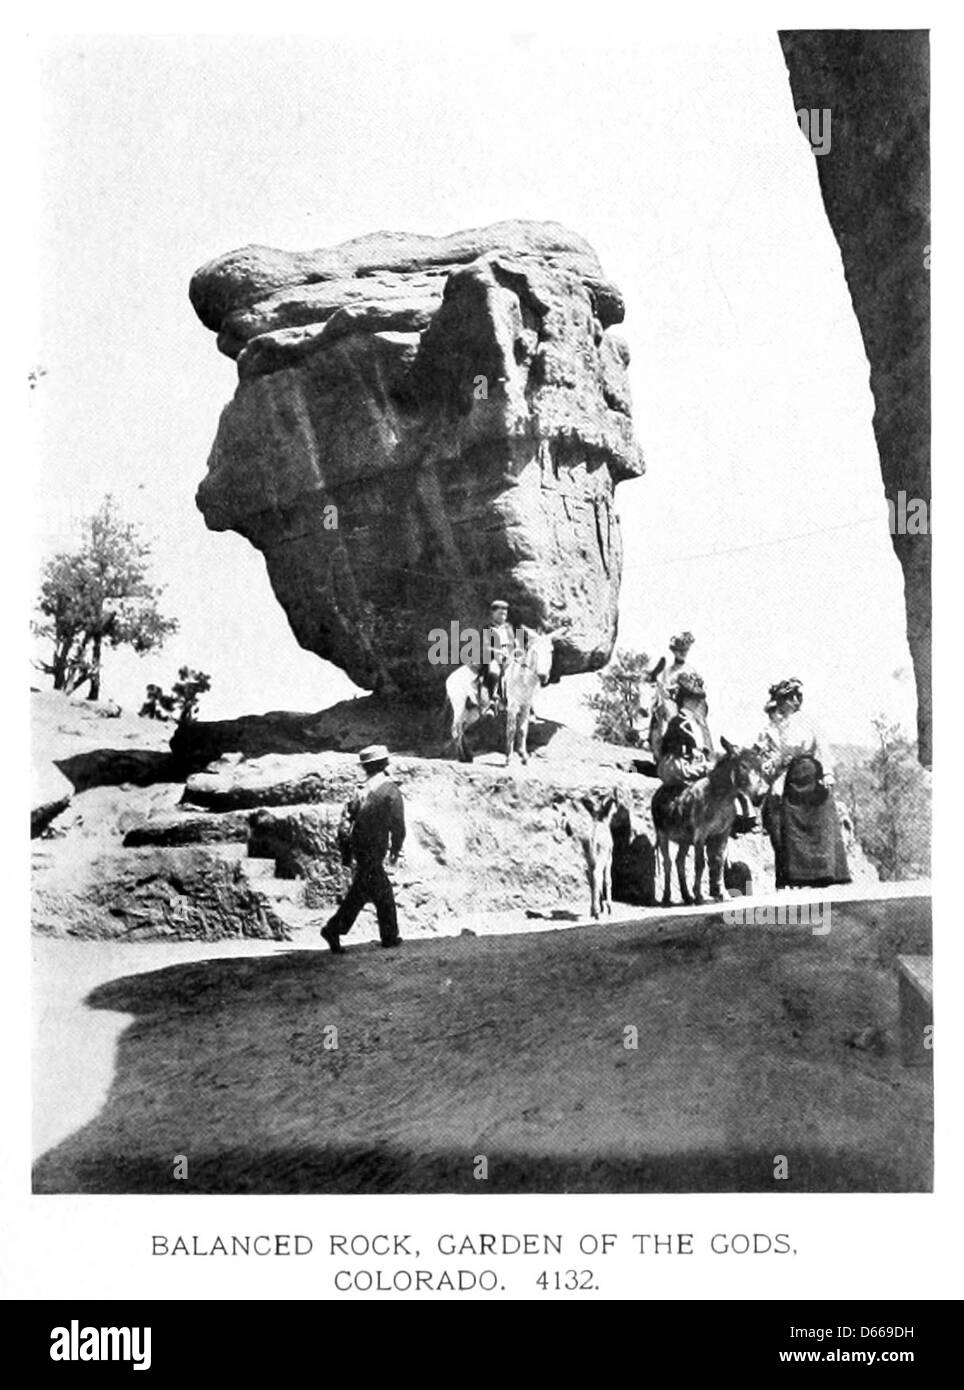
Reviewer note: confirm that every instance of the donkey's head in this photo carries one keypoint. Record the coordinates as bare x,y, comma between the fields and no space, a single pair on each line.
536,655
603,805
744,769
651,676
653,695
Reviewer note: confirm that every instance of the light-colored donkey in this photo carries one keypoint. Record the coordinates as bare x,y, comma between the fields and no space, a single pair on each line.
595,838
525,672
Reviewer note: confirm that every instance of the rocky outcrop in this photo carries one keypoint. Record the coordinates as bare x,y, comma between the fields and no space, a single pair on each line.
94,743
247,846
405,728
80,744
422,424
188,893
478,840
875,181
50,794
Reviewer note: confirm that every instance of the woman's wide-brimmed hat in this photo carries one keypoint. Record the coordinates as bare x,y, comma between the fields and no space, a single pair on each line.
784,690
688,683
681,642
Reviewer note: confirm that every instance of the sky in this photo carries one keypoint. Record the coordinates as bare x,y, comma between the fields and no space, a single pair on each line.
760,524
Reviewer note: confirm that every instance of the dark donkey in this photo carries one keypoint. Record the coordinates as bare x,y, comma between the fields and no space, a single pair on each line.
701,814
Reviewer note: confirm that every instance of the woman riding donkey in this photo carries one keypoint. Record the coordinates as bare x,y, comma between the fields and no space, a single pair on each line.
696,807
799,813
686,750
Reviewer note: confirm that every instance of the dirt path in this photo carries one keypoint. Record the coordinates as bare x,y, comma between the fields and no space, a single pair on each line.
750,1042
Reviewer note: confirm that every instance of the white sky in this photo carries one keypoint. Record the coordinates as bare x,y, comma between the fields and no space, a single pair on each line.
678,159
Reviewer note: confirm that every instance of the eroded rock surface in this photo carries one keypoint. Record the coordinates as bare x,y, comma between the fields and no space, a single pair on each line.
194,892
459,405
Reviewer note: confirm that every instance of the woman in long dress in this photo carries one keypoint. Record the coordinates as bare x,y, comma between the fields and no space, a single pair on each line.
799,814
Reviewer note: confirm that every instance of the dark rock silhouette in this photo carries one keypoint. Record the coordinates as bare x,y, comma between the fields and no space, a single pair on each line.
875,181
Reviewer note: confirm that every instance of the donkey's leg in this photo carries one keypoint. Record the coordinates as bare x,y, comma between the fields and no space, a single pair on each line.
681,871
607,889
511,726
523,736
664,854
699,864
461,747
716,851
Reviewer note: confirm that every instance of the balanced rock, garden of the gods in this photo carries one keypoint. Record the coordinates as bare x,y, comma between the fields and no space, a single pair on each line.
423,424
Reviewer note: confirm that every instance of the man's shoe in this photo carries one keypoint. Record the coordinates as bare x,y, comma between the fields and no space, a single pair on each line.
331,936
387,945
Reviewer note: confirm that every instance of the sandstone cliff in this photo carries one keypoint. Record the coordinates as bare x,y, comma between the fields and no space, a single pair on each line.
875,181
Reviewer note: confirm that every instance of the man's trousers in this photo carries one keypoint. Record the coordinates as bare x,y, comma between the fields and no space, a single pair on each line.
370,884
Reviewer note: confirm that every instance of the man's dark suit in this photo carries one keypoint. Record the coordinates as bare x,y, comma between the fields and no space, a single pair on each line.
372,822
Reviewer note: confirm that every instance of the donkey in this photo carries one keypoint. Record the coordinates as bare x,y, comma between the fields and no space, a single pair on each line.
596,842
525,672
701,814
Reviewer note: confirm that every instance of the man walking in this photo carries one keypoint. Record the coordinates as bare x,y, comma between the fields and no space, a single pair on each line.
372,823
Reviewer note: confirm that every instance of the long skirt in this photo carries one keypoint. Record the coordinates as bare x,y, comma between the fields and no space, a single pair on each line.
804,830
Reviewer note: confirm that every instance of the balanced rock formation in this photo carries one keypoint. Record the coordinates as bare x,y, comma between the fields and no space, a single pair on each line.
875,181
422,424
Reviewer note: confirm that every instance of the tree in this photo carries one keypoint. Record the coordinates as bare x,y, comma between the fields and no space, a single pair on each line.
888,796
616,703
186,690
184,696
99,596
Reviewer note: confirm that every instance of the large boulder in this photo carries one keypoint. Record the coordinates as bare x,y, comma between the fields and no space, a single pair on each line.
422,424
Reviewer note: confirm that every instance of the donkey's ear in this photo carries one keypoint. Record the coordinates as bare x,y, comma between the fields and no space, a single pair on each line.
657,670
728,746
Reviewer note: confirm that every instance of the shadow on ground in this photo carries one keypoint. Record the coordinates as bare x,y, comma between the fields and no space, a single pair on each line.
678,1055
